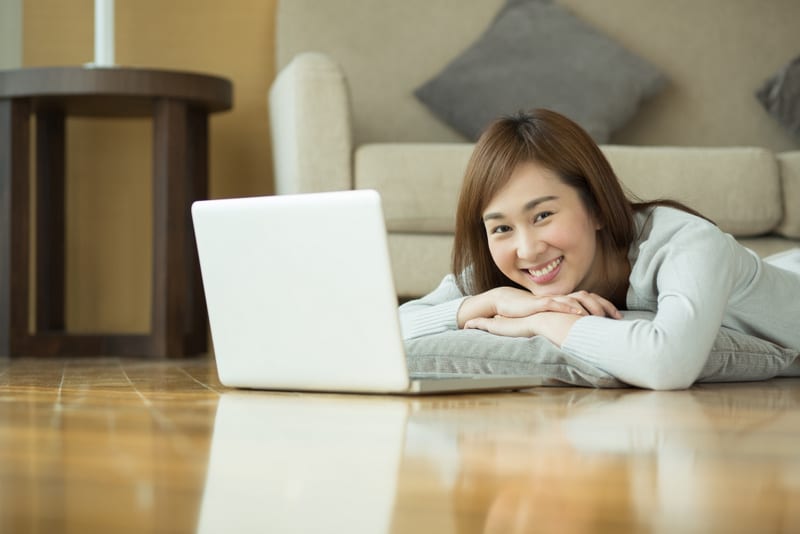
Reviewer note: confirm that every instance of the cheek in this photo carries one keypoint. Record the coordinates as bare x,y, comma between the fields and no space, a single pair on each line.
500,254
577,238
560,237
494,251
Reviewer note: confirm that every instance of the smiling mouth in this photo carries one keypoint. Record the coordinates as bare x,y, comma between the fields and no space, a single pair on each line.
547,272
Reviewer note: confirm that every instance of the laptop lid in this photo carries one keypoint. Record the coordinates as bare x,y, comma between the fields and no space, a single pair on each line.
300,293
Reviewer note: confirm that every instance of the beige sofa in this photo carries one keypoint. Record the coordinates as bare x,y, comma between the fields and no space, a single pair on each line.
343,114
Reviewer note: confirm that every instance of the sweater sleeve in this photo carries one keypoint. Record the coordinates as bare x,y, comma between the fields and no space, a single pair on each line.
690,270
434,313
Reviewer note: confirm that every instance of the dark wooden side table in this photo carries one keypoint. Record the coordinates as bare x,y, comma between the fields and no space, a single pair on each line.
179,104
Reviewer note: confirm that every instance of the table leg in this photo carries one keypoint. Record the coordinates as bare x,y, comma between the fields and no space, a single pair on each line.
14,223
196,322
179,177
50,221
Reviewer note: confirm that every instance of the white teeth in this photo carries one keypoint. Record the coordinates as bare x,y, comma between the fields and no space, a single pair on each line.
547,269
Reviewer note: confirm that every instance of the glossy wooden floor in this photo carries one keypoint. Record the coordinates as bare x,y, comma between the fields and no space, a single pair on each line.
111,445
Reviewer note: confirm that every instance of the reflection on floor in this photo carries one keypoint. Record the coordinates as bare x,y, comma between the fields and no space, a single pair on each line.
124,445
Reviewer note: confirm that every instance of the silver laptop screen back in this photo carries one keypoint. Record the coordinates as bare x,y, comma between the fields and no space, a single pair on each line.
300,292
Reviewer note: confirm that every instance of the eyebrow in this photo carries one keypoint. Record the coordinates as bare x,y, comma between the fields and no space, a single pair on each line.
527,207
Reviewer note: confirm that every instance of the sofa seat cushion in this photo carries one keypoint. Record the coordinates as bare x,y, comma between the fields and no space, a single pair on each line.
738,188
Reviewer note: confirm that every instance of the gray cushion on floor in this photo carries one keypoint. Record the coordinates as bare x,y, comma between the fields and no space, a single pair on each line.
735,357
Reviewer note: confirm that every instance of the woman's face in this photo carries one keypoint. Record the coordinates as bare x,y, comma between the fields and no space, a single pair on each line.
540,234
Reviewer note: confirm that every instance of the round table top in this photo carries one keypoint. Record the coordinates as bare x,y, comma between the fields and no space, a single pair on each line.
117,91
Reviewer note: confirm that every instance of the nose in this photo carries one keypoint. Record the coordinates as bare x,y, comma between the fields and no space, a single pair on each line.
529,246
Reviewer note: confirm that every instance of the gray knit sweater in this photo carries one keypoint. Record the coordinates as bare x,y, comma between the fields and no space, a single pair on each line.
691,276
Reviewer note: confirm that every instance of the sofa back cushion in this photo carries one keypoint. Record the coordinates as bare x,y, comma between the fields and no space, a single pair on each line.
789,163
738,188
388,48
419,183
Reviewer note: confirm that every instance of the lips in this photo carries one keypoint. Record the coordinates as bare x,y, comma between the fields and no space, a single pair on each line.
547,272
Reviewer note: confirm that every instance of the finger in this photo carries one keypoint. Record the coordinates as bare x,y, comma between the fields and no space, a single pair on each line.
492,325
609,308
566,304
478,323
597,305
592,305
534,304
498,325
563,305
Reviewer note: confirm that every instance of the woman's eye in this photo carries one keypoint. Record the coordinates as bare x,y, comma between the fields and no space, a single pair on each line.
501,229
542,216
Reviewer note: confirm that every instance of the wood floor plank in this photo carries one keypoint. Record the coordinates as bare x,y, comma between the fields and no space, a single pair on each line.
128,445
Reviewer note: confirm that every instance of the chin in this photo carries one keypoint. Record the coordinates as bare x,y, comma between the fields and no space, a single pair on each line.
555,289
546,292
550,290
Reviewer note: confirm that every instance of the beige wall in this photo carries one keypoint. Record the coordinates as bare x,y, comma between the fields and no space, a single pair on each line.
10,34
109,161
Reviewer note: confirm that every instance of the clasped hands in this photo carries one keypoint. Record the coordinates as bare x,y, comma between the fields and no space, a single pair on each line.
513,312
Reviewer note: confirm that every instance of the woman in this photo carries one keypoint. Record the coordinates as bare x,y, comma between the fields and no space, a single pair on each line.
547,244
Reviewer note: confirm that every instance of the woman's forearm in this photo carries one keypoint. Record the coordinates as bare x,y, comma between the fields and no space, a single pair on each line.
481,305
555,326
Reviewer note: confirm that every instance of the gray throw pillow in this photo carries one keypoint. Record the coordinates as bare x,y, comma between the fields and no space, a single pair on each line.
780,96
735,357
536,54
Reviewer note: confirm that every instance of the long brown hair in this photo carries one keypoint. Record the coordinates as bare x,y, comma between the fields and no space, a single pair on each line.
563,147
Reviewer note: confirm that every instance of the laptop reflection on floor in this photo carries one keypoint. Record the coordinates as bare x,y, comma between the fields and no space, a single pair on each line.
266,473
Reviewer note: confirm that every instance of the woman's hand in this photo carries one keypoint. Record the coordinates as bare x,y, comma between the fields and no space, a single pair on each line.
511,302
552,325
594,304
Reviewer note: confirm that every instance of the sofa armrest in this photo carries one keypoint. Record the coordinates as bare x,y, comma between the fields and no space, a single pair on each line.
790,180
311,126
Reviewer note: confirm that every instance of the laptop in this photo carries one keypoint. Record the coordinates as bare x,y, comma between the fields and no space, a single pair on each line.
301,297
